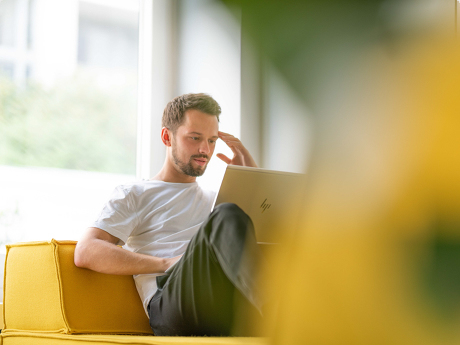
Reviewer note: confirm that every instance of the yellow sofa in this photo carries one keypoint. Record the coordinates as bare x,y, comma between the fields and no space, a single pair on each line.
48,300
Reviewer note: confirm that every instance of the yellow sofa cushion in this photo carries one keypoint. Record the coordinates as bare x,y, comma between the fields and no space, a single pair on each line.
24,338
45,292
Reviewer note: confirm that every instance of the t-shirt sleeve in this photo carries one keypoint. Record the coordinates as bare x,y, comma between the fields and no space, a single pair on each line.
118,216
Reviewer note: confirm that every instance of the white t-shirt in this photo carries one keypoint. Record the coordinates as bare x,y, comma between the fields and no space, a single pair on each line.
155,218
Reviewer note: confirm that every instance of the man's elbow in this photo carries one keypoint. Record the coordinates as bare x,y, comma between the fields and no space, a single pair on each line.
80,258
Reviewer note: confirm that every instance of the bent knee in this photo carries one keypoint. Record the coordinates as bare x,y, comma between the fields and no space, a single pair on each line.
230,215
230,208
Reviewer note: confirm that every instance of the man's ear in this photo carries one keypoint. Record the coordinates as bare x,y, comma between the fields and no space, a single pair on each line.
166,136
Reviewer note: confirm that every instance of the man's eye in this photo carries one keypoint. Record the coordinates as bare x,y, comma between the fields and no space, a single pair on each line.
212,141
195,138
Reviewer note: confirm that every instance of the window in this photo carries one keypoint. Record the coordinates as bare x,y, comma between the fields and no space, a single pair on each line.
68,106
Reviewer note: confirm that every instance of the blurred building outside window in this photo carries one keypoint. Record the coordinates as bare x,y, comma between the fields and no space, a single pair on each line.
68,106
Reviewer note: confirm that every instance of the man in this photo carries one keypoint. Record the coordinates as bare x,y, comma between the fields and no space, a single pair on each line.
192,269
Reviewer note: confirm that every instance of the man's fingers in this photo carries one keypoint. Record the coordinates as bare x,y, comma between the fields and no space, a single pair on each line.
224,158
235,147
220,133
241,154
227,137
231,141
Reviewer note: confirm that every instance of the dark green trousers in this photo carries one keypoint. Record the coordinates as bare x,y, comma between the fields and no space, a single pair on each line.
212,289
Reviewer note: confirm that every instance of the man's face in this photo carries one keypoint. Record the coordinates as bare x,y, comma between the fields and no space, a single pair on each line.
194,142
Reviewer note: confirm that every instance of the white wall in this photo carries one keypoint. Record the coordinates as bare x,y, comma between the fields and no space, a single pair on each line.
209,61
209,56
287,128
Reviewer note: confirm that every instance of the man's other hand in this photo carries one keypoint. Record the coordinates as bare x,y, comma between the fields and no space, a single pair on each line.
241,155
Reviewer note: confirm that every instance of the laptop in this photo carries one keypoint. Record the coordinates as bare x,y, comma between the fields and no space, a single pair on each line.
273,199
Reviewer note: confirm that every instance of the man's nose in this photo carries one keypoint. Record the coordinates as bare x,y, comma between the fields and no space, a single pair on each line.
204,148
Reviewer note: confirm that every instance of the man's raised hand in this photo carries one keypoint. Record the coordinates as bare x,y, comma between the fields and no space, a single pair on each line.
241,155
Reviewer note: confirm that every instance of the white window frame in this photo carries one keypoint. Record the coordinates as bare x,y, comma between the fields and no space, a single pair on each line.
156,82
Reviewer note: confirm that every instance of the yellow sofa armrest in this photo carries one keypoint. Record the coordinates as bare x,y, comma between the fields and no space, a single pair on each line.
45,292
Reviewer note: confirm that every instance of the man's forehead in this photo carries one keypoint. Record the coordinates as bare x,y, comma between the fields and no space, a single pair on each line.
200,133
199,122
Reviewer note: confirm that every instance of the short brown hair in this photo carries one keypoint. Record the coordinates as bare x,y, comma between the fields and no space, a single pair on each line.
173,115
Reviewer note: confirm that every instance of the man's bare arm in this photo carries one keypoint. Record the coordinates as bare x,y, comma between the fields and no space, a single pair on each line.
97,251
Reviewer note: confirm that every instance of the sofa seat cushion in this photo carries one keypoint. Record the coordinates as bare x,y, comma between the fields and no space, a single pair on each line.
45,292
30,338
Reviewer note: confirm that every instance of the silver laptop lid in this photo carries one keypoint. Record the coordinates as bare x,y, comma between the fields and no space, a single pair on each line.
271,198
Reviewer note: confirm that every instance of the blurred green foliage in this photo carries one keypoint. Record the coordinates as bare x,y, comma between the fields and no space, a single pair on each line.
73,125
308,41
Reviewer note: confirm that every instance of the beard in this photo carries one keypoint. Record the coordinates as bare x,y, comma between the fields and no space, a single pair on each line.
187,168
